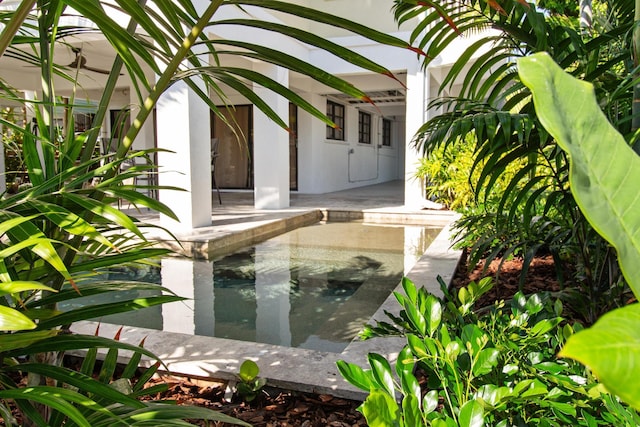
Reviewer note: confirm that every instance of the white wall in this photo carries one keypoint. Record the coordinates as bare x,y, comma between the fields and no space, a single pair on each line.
325,165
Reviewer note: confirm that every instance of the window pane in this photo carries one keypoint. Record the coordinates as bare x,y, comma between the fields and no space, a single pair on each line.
335,112
364,128
386,133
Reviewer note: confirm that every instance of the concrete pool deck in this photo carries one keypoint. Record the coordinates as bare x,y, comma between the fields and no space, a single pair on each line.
235,223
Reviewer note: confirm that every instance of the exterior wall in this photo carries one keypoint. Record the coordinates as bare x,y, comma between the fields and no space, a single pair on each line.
327,165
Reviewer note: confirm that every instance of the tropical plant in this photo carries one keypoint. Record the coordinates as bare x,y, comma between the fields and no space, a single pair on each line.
466,367
250,384
62,229
446,176
605,189
495,107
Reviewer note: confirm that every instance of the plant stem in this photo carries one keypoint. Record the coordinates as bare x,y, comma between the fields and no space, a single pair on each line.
165,78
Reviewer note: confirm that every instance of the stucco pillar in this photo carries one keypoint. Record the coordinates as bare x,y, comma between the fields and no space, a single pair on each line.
416,107
271,145
183,126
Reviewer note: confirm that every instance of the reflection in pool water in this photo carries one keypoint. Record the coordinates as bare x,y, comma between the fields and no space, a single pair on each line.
312,288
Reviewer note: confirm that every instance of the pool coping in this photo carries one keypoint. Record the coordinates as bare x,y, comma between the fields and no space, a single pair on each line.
284,367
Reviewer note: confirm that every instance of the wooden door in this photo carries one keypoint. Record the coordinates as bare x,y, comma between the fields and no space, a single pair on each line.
233,168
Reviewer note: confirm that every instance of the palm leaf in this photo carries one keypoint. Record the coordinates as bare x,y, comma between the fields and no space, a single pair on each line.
95,311
56,398
84,383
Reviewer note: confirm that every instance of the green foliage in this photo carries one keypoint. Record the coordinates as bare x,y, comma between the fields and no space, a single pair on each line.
97,394
532,210
604,186
61,229
448,178
250,384
465,367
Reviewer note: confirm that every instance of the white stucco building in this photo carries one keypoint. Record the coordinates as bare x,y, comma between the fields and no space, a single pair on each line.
373,145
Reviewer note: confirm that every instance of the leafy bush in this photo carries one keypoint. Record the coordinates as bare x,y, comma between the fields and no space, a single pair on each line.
450,174
65,225
467,367
534,209
605,171
446,176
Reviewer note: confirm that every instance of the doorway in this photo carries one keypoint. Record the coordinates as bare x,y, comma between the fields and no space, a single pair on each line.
234,130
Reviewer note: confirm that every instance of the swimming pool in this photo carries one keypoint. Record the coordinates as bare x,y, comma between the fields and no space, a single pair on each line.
310,288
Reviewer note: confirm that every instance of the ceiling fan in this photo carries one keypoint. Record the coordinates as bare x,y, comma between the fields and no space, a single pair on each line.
81,62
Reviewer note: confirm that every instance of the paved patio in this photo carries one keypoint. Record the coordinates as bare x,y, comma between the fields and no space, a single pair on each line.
237,223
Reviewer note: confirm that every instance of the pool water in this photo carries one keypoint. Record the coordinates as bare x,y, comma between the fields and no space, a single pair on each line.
314,287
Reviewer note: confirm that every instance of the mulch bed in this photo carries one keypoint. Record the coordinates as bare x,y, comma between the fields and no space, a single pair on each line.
541,276
273,408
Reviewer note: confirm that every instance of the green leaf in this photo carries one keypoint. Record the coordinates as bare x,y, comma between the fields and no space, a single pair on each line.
411,386
381,370
611,349
153,414
491,394
471,414
405,362
12,320
73,342
10,342
430,401
412,416
56,398
355,375
21,286
249,370
98,310
410,289
473,338
546,325
434,314
81,381
485,362
418,347
604,169
416,318
380,410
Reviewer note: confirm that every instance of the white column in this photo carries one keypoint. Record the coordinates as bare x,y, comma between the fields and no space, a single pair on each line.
273,285
416,107
271,145
183,126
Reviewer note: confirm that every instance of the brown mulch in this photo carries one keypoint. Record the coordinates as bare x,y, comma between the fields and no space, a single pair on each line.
541,276
272,408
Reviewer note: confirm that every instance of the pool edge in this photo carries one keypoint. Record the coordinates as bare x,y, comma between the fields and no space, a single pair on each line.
290,368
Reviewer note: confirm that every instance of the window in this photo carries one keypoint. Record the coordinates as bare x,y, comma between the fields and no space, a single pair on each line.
386,132
364,128
335,113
